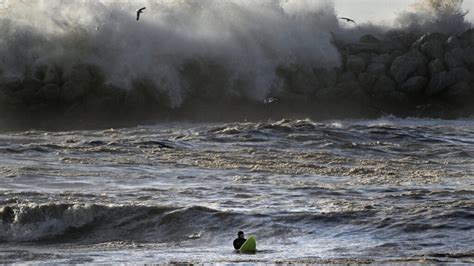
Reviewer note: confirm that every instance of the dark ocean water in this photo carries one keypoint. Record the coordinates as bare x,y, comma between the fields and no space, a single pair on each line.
384,190
346,191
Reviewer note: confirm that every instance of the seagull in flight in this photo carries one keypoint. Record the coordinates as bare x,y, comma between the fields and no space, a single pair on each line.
347,19
139,11
270,100
99,26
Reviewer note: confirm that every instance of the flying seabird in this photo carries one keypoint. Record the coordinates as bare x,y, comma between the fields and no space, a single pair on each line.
347,19
270,100
139,11
99,26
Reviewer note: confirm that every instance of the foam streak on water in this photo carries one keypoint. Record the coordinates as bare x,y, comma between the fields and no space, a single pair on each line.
369,190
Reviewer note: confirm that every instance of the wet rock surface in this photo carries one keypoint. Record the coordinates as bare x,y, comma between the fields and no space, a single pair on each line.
396,73
433,69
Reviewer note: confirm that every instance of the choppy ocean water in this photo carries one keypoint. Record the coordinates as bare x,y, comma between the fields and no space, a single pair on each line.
384,190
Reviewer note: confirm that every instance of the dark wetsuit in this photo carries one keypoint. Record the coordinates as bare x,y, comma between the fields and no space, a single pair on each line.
238,242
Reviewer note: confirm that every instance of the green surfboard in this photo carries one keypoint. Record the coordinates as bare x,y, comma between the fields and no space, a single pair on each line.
249,246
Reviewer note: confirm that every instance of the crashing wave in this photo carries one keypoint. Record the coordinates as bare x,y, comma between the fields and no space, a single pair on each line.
92,61
97,223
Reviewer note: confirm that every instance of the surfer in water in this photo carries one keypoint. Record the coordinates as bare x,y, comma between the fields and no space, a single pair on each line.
240,240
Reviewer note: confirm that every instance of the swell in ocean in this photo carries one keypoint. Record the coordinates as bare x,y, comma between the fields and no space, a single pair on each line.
84,63
385,190
92,223
95,224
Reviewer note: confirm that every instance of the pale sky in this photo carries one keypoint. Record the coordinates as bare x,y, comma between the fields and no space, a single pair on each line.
383,10
359,10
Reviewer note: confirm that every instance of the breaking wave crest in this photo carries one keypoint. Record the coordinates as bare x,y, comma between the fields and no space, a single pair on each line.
93,223
225,45
97,223
94,60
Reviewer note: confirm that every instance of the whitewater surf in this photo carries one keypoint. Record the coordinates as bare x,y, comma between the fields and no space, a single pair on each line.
156,140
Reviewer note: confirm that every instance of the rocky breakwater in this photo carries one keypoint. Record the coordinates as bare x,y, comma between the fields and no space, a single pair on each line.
405,74
400,73
76,93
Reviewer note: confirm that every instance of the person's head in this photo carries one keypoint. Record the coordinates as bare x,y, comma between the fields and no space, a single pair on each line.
240,234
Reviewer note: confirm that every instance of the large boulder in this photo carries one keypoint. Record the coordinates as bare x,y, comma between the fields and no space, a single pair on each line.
460,74
377,69
445,79
407,65
453,42
454,58
433,49
367,82
355,64
384,87
396,54
355,48
326,77
435,67
467,37
439,83
387,47
400,39
366,56
346,76
469,56
432,44
414,86
348,89
369,38
385,59
460,92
